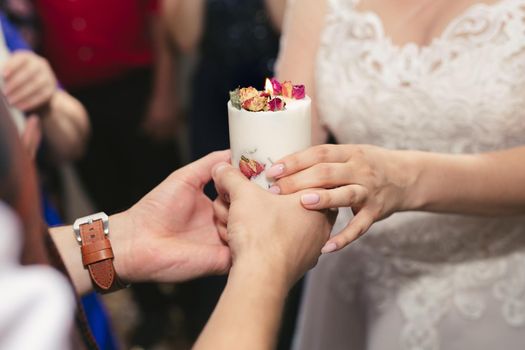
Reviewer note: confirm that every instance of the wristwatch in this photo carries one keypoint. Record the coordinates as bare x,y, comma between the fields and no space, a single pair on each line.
97,256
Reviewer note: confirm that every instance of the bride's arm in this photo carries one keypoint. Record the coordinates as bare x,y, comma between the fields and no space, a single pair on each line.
484,184
379,182
300,40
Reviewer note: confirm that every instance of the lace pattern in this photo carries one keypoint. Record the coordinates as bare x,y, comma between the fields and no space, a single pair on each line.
392,84
463,93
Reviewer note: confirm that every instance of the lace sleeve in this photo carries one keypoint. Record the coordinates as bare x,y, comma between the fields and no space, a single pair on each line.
297,56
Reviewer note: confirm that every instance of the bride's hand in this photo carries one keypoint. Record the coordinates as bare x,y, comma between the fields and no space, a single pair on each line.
370,180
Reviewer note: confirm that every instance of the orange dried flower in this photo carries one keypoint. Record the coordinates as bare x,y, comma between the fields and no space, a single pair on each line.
247,93
287,89
255,104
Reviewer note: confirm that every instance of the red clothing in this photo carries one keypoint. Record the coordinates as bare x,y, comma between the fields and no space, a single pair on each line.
89,41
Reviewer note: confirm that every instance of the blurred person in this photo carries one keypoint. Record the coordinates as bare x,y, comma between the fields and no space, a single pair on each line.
113,57
426,100
236,45
31,87
149,242
236,42
21,13
56,131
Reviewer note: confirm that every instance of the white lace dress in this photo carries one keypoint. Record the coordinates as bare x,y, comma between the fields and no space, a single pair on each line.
420,280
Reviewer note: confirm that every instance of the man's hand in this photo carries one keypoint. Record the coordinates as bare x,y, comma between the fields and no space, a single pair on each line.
29,81
171,233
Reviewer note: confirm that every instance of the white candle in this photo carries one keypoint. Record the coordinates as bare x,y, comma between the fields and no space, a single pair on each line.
265,137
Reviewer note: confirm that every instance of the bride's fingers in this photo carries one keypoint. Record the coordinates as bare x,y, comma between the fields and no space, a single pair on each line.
322,175
356,228
306,159
344,196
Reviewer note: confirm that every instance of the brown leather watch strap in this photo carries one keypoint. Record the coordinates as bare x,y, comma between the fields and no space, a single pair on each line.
97,256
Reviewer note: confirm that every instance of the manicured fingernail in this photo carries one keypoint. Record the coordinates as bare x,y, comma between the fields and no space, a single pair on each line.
329,247
275,170
310,198
274,189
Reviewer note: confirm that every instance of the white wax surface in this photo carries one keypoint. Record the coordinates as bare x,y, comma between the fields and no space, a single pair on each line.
268,136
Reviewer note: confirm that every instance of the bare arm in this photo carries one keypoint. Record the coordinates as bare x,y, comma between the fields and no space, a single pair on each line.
185,21
379,182
31,86
276,10
483,184
65,126
297,57
248,313
161,119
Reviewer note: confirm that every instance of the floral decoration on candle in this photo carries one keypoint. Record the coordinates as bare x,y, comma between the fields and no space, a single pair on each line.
250,168
272,99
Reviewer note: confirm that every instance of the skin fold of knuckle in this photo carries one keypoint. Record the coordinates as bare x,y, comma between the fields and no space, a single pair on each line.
351,196
325,173
322,153
286,184
325,199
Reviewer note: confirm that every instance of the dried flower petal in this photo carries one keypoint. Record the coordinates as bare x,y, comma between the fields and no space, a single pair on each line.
247,93
298,92
250,168
277,87
235,98
287,88
255,104
276,104
265,94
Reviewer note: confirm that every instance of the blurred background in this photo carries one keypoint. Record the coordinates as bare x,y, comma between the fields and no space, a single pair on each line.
138,89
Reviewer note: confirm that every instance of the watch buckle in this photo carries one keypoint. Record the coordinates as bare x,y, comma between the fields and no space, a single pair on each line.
89,220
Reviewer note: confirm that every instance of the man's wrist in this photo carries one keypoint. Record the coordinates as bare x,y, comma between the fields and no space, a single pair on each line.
67,245
92,234
121,228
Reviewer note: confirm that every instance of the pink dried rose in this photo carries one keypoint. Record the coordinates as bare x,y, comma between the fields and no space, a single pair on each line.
287,88
250,168
255,104
247,93
298,92
276,104
277,87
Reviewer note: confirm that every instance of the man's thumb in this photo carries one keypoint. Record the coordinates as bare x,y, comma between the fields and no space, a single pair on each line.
228,180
